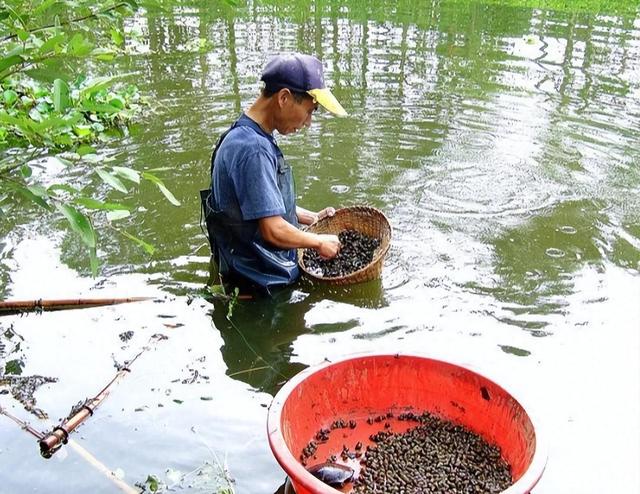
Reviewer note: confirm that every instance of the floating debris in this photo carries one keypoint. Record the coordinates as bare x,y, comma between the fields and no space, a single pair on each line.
125,336
23,388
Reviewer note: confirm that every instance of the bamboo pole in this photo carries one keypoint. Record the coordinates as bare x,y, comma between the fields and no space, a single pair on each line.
51,442
23,425
19,306
84,454
98,465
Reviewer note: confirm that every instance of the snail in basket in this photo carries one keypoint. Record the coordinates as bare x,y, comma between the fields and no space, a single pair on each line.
357,252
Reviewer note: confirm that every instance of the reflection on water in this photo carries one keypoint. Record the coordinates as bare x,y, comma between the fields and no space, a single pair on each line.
502,143
259,333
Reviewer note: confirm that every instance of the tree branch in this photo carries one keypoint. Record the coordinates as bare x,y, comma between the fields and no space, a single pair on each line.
67,23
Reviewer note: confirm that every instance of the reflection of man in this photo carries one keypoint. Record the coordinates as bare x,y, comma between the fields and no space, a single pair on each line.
251,213
258,340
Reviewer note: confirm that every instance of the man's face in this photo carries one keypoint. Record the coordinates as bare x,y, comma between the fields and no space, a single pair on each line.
295,115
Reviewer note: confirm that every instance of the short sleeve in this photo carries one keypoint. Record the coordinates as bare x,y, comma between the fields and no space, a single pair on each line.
256,185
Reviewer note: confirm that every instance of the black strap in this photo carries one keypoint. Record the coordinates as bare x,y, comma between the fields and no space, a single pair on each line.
204,194
215,149
207,195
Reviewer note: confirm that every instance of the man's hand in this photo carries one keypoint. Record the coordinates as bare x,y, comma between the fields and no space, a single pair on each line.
306,217
329,246
326,212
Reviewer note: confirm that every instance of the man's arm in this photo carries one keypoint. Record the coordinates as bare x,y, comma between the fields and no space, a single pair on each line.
282,234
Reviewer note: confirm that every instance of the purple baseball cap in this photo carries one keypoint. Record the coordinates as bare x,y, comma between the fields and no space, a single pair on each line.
303,74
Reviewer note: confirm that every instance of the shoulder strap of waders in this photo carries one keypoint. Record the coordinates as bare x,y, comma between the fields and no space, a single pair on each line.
206,193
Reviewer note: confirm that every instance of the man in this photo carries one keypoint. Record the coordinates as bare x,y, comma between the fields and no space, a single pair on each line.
250,210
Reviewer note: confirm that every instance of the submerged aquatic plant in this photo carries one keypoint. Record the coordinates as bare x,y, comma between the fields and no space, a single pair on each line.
209,478
228,295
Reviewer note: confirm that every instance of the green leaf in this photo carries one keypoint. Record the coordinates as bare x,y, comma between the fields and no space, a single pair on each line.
38,190
118,102
14,367
127,173
9,61
63,140
25,192
23,124
93,158
51,44
61,161
85,149
167,193
117,37
90,203
80,224
26,171
98,83
48,71
63,187
153,482
91,106
35,115
23,35
79,46
61,100
150,249
160,169
93,259
217,289
82,130
18,49
20,17
57,122
118,214
103,54
45,5
232,302
133,5
10,97
111,180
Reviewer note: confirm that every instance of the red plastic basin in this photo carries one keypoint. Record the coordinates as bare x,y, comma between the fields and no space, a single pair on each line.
364,386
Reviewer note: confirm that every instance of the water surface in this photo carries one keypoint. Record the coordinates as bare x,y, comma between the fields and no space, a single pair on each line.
501,142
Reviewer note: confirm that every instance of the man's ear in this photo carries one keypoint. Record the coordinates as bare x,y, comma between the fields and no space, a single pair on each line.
283,96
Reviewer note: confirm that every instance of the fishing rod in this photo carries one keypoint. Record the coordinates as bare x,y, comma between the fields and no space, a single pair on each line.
9,307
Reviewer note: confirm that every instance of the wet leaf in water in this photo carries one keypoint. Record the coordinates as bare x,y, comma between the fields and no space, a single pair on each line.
14,367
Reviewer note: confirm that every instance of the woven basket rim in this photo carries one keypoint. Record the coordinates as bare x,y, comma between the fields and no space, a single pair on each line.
378,256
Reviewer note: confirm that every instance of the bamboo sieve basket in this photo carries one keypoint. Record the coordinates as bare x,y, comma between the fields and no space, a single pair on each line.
364,219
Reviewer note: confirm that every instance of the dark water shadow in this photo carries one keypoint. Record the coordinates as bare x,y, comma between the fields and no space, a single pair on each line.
285,488
259,334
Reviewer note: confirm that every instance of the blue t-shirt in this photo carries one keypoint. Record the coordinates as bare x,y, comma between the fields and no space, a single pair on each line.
251,180
245,174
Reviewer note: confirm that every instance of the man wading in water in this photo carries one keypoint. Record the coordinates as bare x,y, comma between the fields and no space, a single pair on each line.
250,210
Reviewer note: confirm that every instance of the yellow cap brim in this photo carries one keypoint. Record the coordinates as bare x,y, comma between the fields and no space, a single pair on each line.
325,98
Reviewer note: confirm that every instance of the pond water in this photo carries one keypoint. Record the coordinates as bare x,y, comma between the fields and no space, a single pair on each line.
502,144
